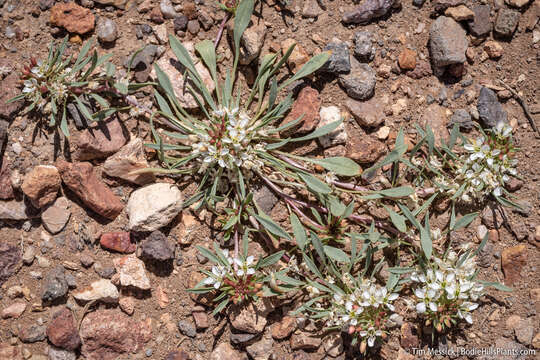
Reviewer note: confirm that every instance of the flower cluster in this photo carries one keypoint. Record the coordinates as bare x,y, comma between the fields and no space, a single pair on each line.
446,291
228,144
362,312
244,268
485,167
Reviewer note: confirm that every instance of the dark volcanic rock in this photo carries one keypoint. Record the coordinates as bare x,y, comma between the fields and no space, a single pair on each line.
367,11
10,261
489,108
55,285
156,247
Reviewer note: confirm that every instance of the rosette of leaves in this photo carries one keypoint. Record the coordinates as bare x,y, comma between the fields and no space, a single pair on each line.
236,143
87,81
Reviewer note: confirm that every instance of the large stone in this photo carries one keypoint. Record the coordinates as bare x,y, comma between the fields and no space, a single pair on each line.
250,317
131,272
407,59
41,185
62,331
448,43
61,354
10,261
435,116
130,158
481,25
513,259
360,82
13,311
301,340
506,22
102,290
101,141
6,189
311,9
82,180
9,88
106,30
15,210
339,61
365,148
252,39
366,113
174,70
460,13
156,247
307,105
517,3
331,114
285,327
56,216
55,286
118,241
261,350
490,110
72,17
368,11
153,206
107,334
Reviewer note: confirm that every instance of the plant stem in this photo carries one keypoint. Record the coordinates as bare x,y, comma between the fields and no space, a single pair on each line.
221,28
235,248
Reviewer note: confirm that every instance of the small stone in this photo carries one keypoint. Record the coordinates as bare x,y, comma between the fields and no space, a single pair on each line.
383,132
167,9
100,290
252,40
367,113
129,158
62,331
409,336
506,22
360,82
333,345
365,149
187,328
407,59
524,331
460,13
193,26
156,16
490,110
284,328
480,25
32,333
261,350
13,311
6,187
448,43
9,88
177,355
339,61
132,272
61,354
56,216
106,30
206,20
513,259
493,49
72,17
298,56
55,286
517,3
311,9
201,320
304,341
435,116
41,185
102,140
307,105
180,22
462,118
153,206
156,247
127,304
250,318
367,11
338,136
29,255
118,241
363,45
10,258
225,351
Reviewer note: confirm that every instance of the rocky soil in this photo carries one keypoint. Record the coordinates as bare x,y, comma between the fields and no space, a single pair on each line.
94,261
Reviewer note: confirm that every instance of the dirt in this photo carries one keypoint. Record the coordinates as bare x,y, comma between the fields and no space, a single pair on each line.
391,34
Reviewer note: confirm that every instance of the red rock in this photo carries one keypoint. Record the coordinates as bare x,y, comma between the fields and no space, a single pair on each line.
156,16
177,355
82,180
13,311
365,148
191,281
308,103
422,69
407,59
201,320
9,87
457,70
41,185
162,297
101,141
6,190
62,331
107,334
118,241
283,328
513,259
10,261
72,17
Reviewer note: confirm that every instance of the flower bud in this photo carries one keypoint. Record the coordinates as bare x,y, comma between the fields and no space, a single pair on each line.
363,347
351,330
438,327
33,61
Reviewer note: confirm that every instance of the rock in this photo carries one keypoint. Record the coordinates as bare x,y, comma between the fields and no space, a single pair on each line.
441,5
333,345
193,27
506,22
106,30
201,320
307,105
56,216
366,113
206,20
72,17
101,290
493,49
536,341
107,334
480,25
187,328
298,56
6,189
363,45
435,116
311,9
462,118
13,311
517,3
41,185
513,259
127,304
507,346
156,16
368,11
490,110
404,355
177,355
252,40
142,61
226,351
167,9
250,318
421,70
15,210
132,272
32,333
460,13
261,350
61,354
153,206
448,43
492,217
524,331
156,247
407,59
304,341
174,70
365,148
121,4
101,141
62,331
82,180
409,336
339,61
29,255
118,241
9,88
160,32
282,329
10,260
360,82
329,115
180,22
55,286
105,272
530,17
241,338
130,158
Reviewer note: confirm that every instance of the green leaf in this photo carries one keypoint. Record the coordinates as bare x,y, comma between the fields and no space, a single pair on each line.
208,254
464,221
298,231
400,270
425,239
272,226
83,109
241,21
397,192
310,67
289,280
323,130
270,260
208,54
315,184
220,307
311,265
336,254
397,220
340,165
63,123
337,208
318,245
496,285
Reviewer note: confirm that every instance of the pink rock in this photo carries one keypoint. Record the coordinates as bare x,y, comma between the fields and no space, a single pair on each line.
101,141
62,331
41,185
118,241
14,310
307,104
